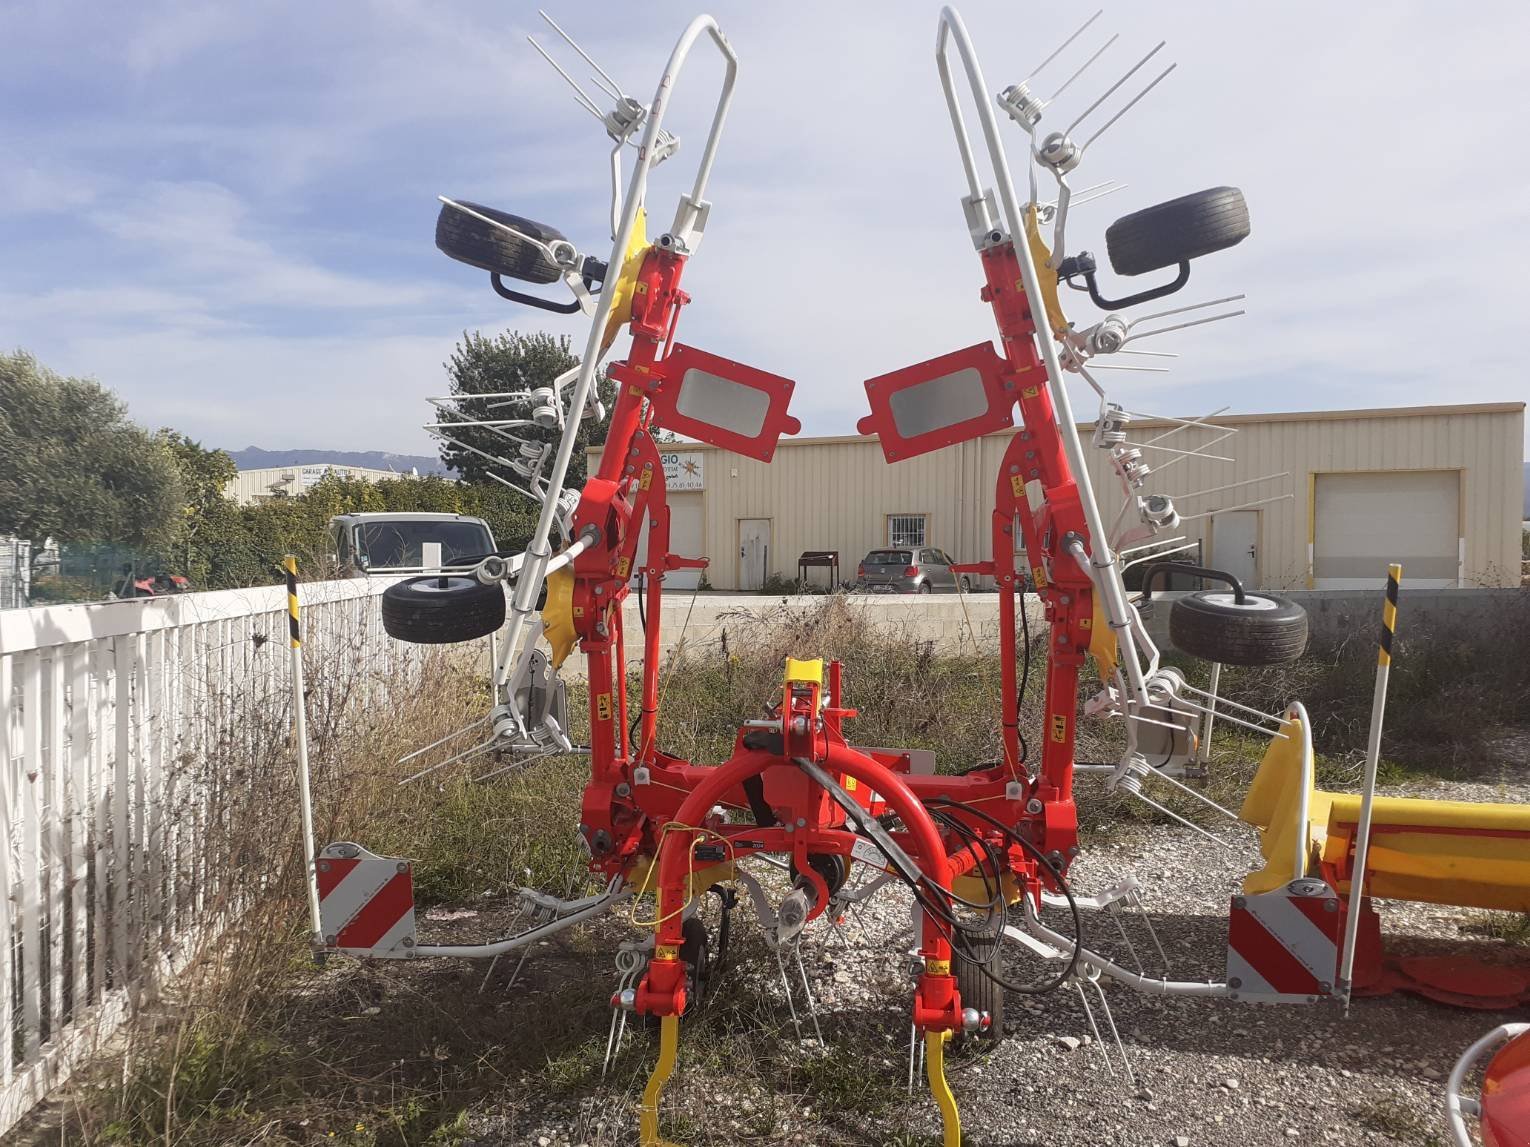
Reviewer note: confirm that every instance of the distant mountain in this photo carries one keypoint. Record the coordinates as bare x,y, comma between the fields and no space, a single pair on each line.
254,458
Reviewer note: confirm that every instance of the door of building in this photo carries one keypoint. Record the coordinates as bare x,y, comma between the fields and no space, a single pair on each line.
1235,545
753,552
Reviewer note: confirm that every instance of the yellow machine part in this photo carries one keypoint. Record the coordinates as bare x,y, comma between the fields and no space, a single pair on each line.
804,672
1102,641
558,614
621,290
935,1069
1046,277
1438,852
648,1110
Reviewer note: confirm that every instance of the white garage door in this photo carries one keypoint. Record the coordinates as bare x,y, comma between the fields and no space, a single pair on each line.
687,539
1361,522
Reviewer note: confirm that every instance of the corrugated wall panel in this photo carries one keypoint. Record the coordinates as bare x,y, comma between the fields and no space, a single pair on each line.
837,493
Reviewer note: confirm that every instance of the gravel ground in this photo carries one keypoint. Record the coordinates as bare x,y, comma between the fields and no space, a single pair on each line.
1207,1071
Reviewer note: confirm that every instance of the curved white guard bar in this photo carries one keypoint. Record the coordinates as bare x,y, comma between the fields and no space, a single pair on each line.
1455,1105
537,554
1146,984
1109,580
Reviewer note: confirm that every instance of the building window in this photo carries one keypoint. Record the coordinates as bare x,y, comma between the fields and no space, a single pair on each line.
905,530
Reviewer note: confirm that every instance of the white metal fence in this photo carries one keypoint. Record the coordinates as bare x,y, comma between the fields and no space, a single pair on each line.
112,856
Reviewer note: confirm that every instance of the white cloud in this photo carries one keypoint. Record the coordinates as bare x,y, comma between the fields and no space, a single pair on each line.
249,208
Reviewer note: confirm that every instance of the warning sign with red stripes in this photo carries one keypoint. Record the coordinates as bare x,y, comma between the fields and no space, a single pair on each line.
366,902
1283,946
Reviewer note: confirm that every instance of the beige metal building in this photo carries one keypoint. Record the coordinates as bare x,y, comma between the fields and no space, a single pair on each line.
1341,494
265,483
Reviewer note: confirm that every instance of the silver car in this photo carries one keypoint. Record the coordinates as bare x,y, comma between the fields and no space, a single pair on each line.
915,569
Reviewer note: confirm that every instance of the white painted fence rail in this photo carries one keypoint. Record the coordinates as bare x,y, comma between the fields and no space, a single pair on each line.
110,857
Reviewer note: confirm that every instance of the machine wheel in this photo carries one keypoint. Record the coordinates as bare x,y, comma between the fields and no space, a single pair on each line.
440,610
964,583
476,243
1167,234
980,992
1265,630
695,952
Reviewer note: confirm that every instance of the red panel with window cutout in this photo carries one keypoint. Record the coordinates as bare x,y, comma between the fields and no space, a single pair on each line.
946,400
717,401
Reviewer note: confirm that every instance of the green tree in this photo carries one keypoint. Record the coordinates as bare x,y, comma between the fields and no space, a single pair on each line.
74,468
512,361
204,475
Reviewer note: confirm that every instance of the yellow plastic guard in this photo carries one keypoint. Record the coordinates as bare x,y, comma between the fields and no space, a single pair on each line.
1046,277
621,291
1436,852
804,672
1102,641
558,614
1273,804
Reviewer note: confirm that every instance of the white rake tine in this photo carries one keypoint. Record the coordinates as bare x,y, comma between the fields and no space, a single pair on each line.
1140,319
1151,353
583,100
1202,797
1126,1064
1182,453
807,991
462,756
1135,100
1181,423
1082,28
442,741
1153,932
1094,1027
1185,326
1242,506
1083,67
1198,452
913,1043
786,984
1110,91
1232,486
1138,369
1160,554
1130,947
1150,802
615,89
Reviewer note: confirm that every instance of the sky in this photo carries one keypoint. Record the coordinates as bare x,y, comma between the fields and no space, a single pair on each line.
226,212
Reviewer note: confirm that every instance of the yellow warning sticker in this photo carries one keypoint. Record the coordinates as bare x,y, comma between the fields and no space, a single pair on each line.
1031,392
1059,727
603,706
647,479
1086,623
849,784
578,611
1017,485
622,566
1039,576
635,391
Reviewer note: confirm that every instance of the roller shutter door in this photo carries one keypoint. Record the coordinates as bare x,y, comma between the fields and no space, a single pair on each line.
1361,522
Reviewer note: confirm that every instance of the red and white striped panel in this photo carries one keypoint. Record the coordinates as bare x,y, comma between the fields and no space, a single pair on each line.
1283,946
366,902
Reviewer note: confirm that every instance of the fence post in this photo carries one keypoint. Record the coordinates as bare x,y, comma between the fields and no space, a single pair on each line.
1368,791
300,735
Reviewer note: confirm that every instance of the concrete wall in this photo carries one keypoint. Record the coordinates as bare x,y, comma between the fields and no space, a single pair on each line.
837,493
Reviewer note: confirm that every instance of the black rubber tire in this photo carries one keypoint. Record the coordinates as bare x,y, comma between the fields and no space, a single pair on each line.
1266,630
474,242
1185,228
979,991
695,952
964,584
923,587
441,610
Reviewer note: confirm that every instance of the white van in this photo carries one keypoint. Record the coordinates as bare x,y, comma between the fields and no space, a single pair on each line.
408,543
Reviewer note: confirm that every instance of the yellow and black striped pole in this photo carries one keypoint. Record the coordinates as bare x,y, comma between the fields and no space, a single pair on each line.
300,738
1368,790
